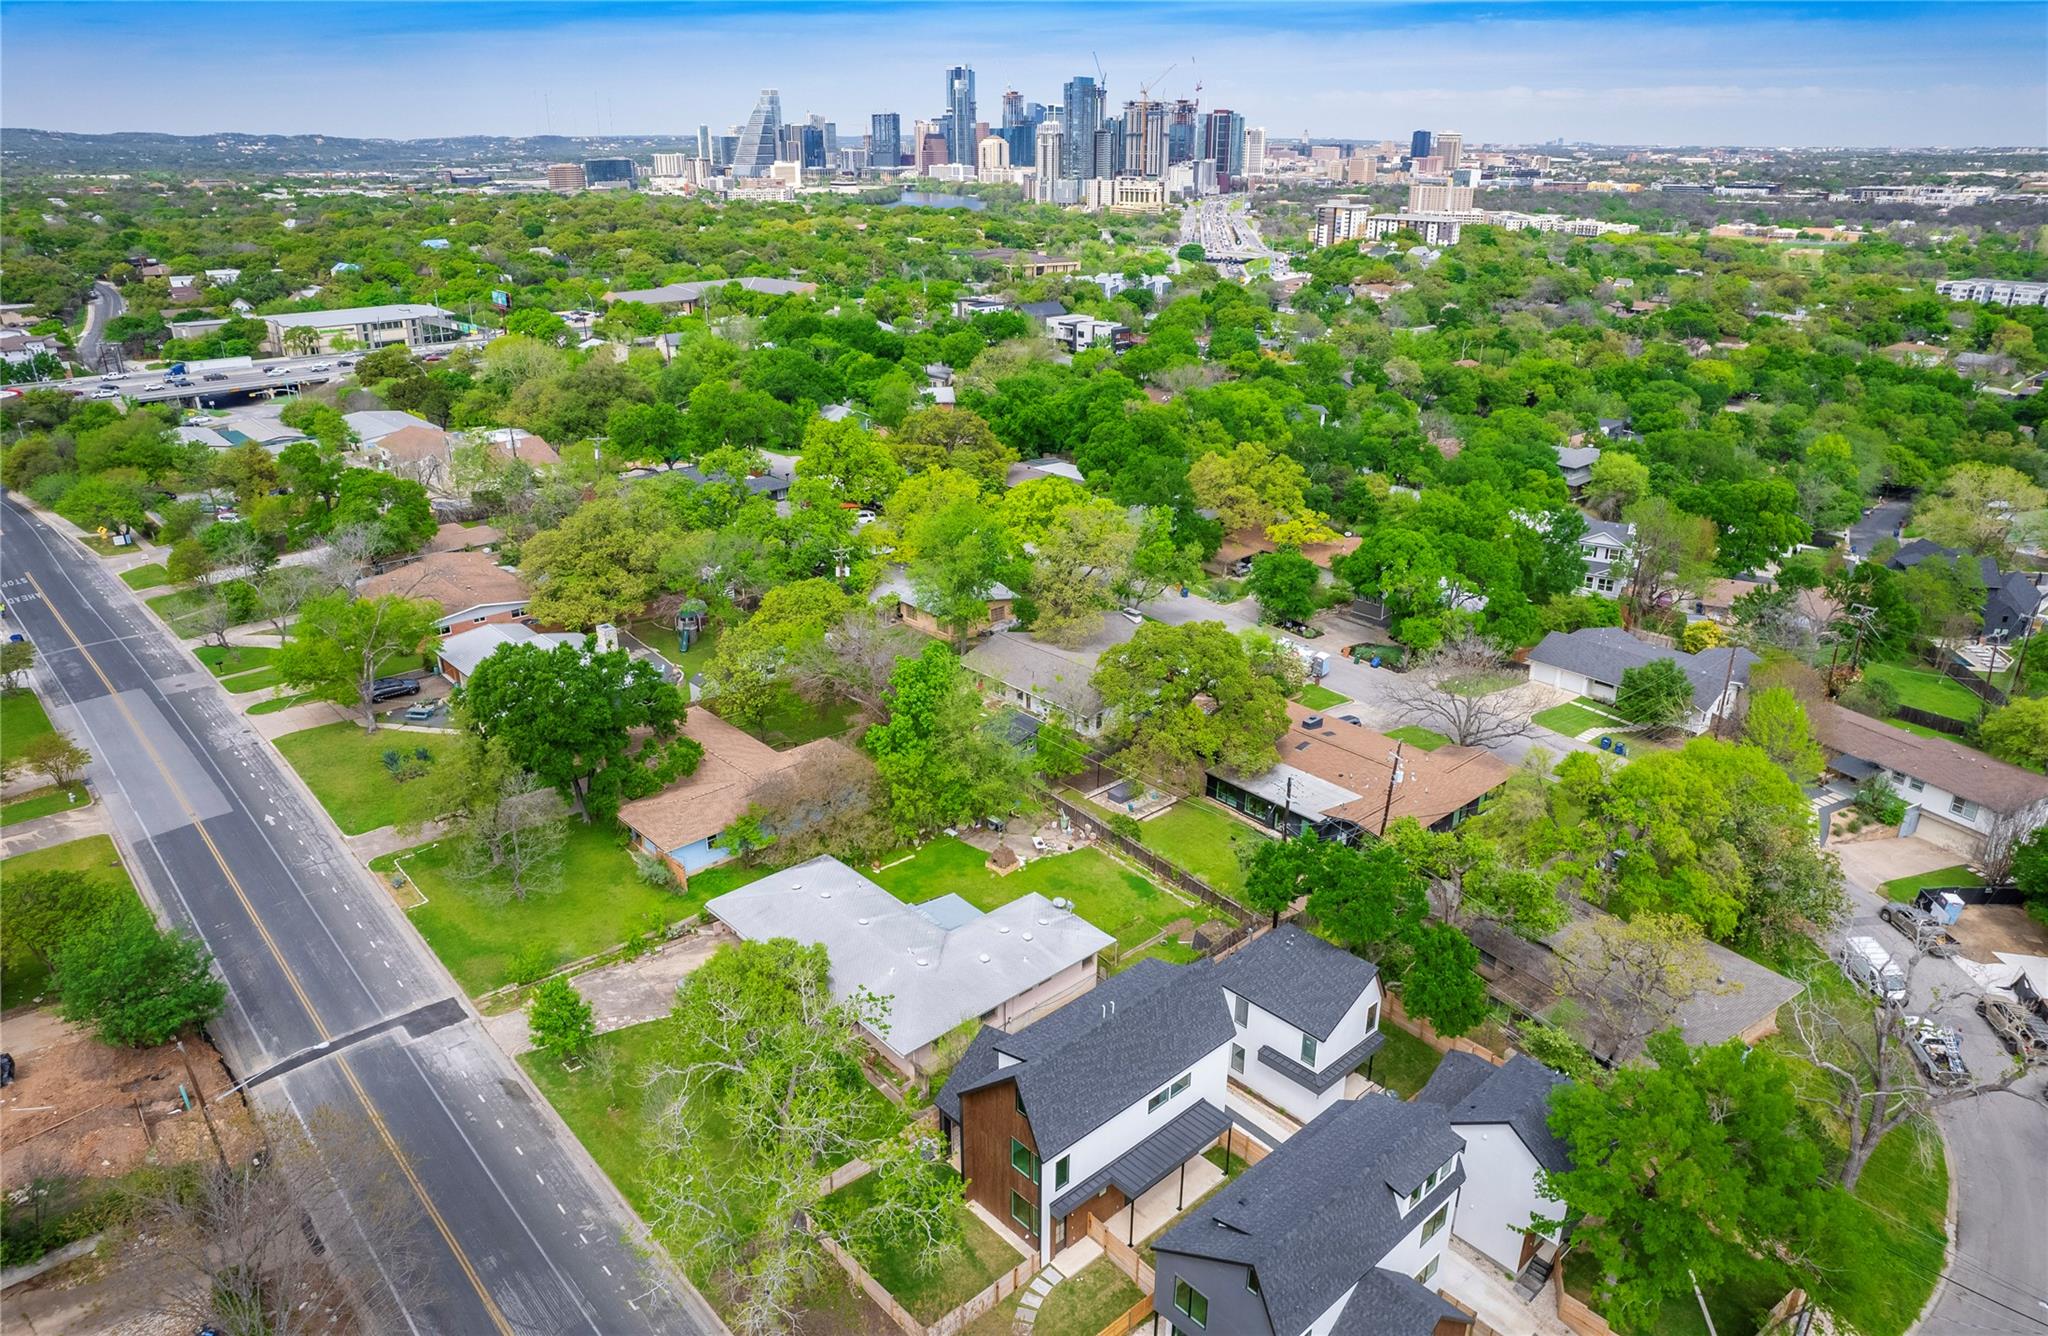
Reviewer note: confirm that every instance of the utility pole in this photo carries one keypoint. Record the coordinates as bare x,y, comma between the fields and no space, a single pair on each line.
1393,777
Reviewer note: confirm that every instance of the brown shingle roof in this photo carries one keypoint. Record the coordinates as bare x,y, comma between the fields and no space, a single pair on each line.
1353,757
717,793
455,580
1944,764
1252,542
453,537
409,445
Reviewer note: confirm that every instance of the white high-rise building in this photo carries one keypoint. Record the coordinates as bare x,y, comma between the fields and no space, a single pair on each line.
991,155
1448,145
1255,151
670,164
1439,197
1050,146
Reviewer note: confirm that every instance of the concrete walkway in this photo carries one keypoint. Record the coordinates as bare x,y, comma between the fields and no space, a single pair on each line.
1277,1125
1477,1282
56,828
629,993
1872,863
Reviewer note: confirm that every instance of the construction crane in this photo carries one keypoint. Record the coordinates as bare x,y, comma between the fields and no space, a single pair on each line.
1145,89
1101,79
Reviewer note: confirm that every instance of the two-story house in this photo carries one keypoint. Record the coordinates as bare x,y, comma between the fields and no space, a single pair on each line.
1339,1232
1503,1116
1077,1115
1605,547
1306,1013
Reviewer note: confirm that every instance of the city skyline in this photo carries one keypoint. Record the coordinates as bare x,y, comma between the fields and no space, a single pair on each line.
1621,73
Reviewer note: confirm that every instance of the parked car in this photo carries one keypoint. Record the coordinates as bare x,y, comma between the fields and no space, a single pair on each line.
1937,1051
1923,929
391,688
1870,967
2024,1036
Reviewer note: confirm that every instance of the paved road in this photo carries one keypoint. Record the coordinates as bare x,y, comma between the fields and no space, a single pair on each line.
107,303
272,374
334,1002
1883,521
1997,1283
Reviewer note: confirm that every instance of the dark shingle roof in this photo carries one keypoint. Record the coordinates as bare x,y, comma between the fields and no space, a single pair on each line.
1298,977
1321,1211
1388,1303
1100,1053
1517,1094
1603,653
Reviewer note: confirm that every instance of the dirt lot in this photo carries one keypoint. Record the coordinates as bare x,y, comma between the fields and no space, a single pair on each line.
78,1107
1984,929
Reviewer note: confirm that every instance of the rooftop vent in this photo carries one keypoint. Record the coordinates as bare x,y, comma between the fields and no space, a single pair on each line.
1312,722
922,962
1000,927
1027,936
863,922
824,895
984,957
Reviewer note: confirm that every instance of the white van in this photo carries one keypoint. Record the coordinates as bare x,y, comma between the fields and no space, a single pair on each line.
1871,968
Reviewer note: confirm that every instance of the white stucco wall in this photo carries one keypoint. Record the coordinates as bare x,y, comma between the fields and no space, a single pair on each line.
1126,1129
1499,1197
1264,1028
1407,1257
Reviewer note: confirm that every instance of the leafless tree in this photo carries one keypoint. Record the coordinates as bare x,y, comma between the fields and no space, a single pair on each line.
1441,693
1636,971
348,555
284,589
1873,1085
314,1235
853,661
2002,843
514,841
832,804
216,613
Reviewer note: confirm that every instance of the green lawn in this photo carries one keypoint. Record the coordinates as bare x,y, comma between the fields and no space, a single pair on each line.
1120,902
180,610
1170,951
22,721
1903,889
1415,735
41,802
146,577
932,1293
661,637
600,905
1483,684
1575,717
94,855
1924,731
276,703
1200,838
259,680
234,659
1086,1302
1404,1063
1316,696
345,769
792,721
1927,689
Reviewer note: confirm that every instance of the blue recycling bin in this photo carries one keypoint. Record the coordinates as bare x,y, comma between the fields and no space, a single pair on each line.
1621,749
1606,744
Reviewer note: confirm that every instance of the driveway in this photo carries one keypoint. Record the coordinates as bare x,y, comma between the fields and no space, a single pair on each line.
1997,1276
628,993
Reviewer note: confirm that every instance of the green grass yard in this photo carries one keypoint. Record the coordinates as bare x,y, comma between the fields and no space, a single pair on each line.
42,802
1923,731
661,637
791,720
234,659
95,856
1415,735
1926,689
344,767
181,610
932,1293
261,679
1120,902
600,904
1201,838
1319,697
276,703
1086,1302
1903,889
1404,1063
1575,717
22,721
146,577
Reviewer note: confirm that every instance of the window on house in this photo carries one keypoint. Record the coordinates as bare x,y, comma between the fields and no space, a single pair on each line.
1251,1280
1308,1049
1963,808
1237,1058
1059,1170
1372,1018
1241,1012
1020,1099
1020,1211
1436,1222
1180,1083
1916,785
1186,1079
1022,1160
1429,1270
1190,1303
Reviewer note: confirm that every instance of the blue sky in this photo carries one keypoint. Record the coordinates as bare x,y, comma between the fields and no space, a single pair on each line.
1869,74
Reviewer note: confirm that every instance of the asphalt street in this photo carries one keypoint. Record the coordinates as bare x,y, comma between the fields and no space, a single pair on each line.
1997,1281
336,1007
106,305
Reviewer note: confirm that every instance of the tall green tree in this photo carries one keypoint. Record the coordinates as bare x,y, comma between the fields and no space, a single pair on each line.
1441,984
136,985
943,760
963,551
570,715
1657,694
1284,583
1181,699
1777,723
340,644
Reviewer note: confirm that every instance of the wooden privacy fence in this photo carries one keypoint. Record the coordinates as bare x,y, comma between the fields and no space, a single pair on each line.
906,1321
1132,1318
1940,723
1392,1013
1242,1147
1982,689
1121,1255
1171,873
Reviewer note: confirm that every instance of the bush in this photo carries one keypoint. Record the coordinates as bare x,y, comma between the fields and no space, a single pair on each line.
1868,695
1128,826
532,961
51,489
654,871
1877,800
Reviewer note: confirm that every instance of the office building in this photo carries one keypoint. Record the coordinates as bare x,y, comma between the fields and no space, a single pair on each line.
1013,108
960,114
1223,144
830,130
1023,142
1361,168
724,148
1340,219
1448,145
1144,149
566,176
1050,149
1419,145
1255,151
885,139
758,142
1108,159
671,164
703,141
1084,103
1438,197
803,145
991,155
930,151
608,171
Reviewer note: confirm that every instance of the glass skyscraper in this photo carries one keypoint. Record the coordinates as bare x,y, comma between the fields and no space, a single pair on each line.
763,134
960,114
1085,101
885,139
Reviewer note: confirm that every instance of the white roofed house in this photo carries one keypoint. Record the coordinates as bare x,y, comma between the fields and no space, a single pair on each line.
1605,545
938,963
459,654
414,324
1045,680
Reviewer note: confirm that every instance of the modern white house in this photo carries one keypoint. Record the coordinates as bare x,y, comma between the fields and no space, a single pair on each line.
414,324
1591,661
1956,796
1605,547
1339,1232
1306,1012
1077,1115
1502,1115
938,963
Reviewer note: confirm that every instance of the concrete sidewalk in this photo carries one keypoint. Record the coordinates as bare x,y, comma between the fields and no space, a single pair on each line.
57,828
